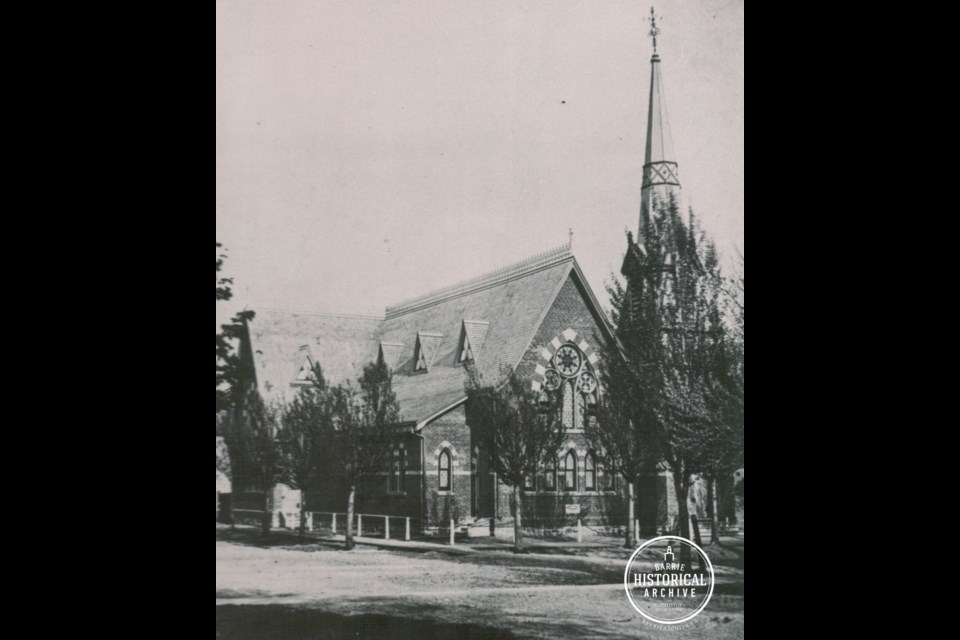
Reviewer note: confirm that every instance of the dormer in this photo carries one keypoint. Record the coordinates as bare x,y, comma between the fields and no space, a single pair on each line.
305,374
425,350
472,334
390,353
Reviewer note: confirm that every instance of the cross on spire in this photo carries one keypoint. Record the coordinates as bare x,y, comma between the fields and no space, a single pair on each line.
654,30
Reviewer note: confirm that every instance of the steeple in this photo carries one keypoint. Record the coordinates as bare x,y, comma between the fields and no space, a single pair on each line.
660,176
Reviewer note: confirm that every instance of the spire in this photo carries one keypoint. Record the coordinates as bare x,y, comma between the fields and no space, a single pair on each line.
660,176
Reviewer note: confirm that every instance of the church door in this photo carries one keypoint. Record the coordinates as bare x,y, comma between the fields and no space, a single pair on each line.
483,488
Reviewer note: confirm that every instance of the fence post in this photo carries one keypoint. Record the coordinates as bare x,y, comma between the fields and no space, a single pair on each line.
333,525
451,532
359,525
386,524
408,529
579,532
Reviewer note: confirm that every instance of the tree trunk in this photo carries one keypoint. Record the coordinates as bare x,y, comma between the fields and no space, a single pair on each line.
516,519
267,518
303,513
496,505
631,537
349,532
712,510
682,490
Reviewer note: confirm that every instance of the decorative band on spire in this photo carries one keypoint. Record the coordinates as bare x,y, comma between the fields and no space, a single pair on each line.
658,173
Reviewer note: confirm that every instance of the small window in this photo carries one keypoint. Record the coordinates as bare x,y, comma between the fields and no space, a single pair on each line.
398,471
529,483
550,476
421,360
590,467
445,474
570,471
394,468
466,353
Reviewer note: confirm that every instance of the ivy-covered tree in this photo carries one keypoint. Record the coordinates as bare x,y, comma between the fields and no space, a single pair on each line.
517,429
671,330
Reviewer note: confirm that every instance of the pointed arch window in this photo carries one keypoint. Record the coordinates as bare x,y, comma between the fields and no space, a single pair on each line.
446,475
590,470
550,475
568,400
581,412
570,471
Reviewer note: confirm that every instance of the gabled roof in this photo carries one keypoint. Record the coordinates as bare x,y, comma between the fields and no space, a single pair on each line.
501,312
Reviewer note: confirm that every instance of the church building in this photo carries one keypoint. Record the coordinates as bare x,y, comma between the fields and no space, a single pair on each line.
539,316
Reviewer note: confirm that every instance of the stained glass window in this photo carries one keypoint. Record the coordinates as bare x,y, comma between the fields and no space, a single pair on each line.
567,416
570,471
550,476
445,475
590,467
581,411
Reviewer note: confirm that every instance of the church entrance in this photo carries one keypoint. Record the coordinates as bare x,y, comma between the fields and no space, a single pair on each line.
483,488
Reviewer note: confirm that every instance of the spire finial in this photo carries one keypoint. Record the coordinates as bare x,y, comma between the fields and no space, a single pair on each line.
570,234
654,30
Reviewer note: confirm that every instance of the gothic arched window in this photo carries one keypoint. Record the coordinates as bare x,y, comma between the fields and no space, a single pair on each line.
446,475
590,467
570,471
567,414
570,374
550,475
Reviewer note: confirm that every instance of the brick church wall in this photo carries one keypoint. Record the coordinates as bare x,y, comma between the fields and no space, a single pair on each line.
449,431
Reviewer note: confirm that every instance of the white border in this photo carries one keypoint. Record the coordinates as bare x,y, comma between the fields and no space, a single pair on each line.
626,582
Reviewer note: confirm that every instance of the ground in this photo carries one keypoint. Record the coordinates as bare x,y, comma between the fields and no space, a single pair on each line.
297,591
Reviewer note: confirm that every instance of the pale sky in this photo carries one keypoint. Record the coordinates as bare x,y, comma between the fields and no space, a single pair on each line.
369,151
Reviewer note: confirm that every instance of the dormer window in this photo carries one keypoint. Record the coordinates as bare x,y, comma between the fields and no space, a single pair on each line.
472,335
421,360
466,353
389,353
305,374
426,348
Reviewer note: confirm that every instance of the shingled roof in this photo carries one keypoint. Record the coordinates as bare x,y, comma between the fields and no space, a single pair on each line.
513,300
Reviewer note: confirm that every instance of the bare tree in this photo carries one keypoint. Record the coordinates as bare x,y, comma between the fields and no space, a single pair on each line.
359,432
615,436
517,429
